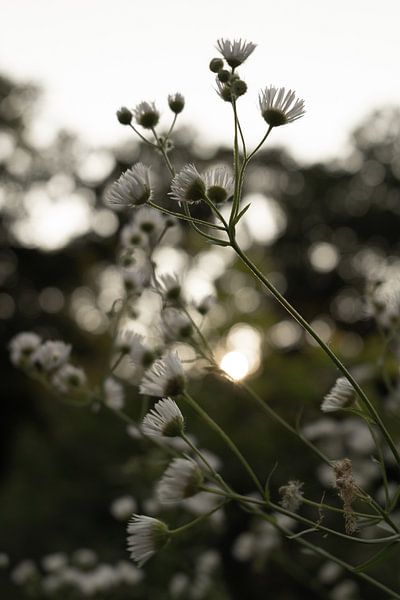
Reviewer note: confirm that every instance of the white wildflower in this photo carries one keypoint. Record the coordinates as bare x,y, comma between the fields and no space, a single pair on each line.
279,107
51,355
170,286
146,115
122,508
176,325
235,52
131,236
182,479
135,280
165,377
22,346
340,396
219,184
133,188
128,573
164,420
146,536
205,304
69,379
150,222
114,396
188,186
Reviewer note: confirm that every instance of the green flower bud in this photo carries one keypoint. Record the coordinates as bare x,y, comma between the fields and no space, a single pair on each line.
239,87
124,116
224,75
216,65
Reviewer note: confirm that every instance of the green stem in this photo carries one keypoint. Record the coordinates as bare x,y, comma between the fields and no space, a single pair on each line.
184,217
307,327
198,520
213,425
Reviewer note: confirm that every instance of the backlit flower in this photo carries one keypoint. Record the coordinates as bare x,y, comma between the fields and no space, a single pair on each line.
340,396
164,378
146,115
236,52
187,186
145,537
182,479
279,107
219,184
133,188
164,420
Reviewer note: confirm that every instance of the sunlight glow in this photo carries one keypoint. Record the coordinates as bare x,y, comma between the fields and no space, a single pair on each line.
235,364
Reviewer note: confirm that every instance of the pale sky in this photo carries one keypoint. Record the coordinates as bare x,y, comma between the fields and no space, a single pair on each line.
92,56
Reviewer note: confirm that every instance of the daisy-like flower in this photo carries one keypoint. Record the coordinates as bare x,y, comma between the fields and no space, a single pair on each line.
171,286
176,102
219,184
165,377
236,52
188,186
149,221
164,420
176,325
340,396
182,479
205,304
114,396
132,236
292,495
51,355
133,188
146,536
135,280
22,346
69,379
139,352
224,91
279,107
146,115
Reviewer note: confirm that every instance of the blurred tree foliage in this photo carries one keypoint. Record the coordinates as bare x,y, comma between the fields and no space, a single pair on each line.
61,468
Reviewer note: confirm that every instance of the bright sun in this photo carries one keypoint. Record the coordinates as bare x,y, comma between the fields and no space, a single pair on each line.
235,364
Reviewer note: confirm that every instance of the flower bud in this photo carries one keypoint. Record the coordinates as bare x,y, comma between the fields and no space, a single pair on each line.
216,65
176,102
239,87
224,75
124,115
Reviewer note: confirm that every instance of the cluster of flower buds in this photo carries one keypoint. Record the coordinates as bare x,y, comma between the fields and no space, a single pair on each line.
229,85
48,361
146,113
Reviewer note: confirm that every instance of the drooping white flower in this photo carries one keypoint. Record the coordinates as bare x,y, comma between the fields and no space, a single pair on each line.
279,107
235,52
131,236
219,184
163,420
24,572
171,286
149,220
188,186
340,396
51,355
146,536
69,379
114,396
130,342
146,114
205,304
182,479
176,325
165,377
135,280
122,508
133,188
22,346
